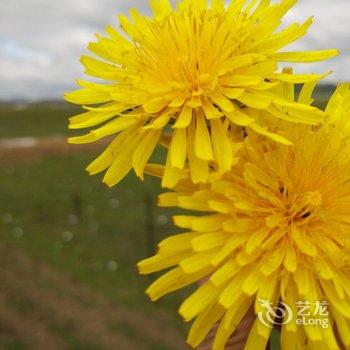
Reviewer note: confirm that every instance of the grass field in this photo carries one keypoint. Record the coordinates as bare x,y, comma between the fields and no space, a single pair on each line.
36,120
72,221
58,216
69,246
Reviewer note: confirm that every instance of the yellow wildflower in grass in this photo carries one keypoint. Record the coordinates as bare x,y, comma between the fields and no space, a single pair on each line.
277,228
199,68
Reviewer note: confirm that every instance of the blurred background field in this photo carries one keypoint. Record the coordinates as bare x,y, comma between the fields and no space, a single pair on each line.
69,245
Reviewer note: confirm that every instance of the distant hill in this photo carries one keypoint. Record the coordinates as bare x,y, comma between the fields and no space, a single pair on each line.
23,104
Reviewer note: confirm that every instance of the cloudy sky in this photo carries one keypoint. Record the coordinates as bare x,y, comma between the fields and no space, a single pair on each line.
41,40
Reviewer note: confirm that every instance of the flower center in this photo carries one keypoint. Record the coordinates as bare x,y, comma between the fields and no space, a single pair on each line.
304,205
187,50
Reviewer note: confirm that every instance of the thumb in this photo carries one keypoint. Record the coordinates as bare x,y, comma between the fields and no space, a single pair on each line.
238,339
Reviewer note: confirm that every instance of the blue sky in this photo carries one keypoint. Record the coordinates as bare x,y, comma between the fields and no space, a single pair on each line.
41,40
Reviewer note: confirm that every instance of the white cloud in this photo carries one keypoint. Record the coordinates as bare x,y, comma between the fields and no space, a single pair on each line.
331,29
41,40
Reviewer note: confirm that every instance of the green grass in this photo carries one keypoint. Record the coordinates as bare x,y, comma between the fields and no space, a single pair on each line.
39,120
72,342
14,345
61,215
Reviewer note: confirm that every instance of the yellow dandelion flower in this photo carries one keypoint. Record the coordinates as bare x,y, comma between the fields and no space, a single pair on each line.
194,68
276,229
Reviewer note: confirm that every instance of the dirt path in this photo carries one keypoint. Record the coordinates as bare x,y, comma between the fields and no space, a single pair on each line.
44,309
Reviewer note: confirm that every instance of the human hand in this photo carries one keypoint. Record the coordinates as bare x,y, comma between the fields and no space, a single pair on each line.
238,339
